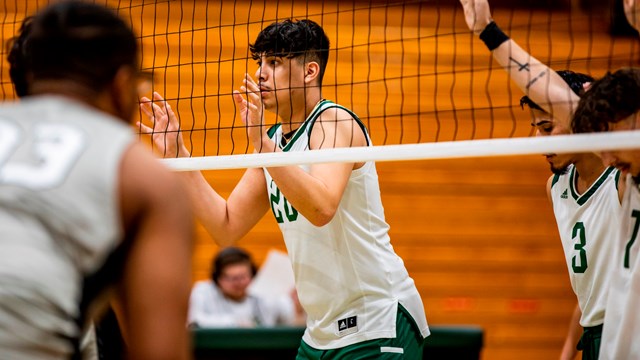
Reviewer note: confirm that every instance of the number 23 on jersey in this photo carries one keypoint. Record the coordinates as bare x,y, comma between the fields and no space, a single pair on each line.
52,151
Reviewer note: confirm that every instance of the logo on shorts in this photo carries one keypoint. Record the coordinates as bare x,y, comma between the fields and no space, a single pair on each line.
348,325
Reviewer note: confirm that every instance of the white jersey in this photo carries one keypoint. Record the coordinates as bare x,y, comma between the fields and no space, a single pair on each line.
59,220
348,277
620,336
588,237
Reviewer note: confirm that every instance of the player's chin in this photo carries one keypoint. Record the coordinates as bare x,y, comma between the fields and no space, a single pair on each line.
559,169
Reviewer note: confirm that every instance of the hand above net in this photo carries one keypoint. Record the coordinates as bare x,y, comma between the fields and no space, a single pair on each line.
251,111
632,12
477,14
164,127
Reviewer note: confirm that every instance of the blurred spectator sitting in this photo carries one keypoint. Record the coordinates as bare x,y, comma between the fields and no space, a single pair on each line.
223,300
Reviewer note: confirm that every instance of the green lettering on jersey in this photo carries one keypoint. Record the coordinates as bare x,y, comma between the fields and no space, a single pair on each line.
634,214
289,211
579,267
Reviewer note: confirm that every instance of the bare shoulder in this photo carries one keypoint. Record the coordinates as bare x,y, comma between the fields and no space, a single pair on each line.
145,182
336,127
550,183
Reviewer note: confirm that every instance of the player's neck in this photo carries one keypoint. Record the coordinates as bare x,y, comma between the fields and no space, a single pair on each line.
299,115
72,90
588,169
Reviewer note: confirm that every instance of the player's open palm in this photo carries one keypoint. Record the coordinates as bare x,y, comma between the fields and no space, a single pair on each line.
163,127
632,12
251,111
477,14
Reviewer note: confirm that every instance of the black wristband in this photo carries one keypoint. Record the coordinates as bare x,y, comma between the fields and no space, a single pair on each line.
492,36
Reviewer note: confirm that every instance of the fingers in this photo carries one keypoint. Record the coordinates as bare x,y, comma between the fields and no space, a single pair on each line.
239,100
144,129
157,96
158,99
152,109
252,90
145,107
159,112
250,83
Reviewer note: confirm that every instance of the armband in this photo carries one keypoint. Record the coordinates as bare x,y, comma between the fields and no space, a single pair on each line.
492,36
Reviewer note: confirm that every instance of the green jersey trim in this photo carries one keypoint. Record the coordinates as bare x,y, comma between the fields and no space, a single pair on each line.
311,119
272,130
316,110
581,200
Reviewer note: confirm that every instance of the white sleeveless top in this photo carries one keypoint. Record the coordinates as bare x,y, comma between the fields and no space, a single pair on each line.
59,219
586,226
620,339
348,277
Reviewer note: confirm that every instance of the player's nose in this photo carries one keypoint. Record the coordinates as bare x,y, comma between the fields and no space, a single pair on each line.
260,74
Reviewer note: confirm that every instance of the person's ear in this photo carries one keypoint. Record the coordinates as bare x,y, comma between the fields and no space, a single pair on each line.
312,71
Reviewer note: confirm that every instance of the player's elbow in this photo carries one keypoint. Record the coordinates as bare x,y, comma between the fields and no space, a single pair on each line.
223,239
322,216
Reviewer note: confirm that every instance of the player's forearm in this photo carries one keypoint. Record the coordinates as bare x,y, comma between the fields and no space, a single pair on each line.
569,349
536,80
208,207
157,281
313,195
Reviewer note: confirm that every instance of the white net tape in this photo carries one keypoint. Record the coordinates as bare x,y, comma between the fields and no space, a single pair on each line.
578,143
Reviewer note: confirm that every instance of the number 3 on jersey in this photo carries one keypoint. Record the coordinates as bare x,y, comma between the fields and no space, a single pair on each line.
276,198
579,261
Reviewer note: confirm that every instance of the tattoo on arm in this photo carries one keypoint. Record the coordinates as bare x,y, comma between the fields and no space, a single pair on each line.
538,77
521,67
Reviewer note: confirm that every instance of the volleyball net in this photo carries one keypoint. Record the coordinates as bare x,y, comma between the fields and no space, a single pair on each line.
411,70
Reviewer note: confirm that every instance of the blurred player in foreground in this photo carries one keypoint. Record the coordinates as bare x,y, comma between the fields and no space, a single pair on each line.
84,207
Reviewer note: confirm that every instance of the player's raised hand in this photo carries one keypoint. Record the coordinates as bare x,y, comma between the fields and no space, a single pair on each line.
477,14
632,12
251,111
164,126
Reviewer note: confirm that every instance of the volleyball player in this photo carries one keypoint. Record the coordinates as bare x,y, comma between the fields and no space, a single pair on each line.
611,104
584,192
84,208
359,299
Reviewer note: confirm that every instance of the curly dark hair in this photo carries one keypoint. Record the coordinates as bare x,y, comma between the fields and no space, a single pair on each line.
610,99
16,58
302,39
575,80
83,42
